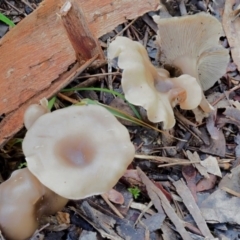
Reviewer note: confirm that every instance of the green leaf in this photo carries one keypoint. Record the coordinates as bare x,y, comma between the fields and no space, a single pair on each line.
135,192
22,165
6,20
108,91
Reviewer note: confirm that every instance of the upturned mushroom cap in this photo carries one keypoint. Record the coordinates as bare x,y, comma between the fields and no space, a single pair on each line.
23,201
191,43
78,151
152,88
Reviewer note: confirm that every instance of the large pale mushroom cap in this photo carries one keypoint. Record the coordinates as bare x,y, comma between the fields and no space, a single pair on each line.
152,88
191,43
78,151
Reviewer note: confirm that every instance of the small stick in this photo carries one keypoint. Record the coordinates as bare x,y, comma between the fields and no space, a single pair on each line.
224,95
64,97
230,191
15,8
28,4
110,80
160,159
104,196
99,75
143,211
124,29
179,163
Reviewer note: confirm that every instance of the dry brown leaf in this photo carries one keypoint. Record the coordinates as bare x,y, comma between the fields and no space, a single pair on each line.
158,198
213,97
236,104
115,196
231,180
195,157
211,164
206,183
217,146
231,26
189,173
132,173
220,207
212,129
120,104
192,207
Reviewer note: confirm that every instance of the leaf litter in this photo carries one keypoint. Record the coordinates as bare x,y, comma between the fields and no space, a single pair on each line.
199,146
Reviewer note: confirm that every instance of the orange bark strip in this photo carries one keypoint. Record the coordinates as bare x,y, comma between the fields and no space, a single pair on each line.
13,122
37,52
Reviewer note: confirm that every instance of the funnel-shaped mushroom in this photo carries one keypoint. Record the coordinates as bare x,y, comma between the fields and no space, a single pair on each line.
152,88
23,201
191,43
78,151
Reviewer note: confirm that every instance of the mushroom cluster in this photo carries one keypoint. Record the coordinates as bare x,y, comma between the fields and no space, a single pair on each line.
152,88
72,153
191,43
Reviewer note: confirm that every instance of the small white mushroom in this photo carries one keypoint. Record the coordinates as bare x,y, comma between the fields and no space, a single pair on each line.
34,111
78,151
152,88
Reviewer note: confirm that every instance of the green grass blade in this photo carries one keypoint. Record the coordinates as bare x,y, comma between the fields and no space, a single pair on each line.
51,102
6,20
119,114
107,91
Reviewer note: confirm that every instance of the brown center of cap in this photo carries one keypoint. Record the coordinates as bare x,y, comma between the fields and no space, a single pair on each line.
76,151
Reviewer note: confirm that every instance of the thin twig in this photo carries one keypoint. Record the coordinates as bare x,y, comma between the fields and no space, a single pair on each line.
124,29
230,191
143,212
159,159
178,163
104,196
64,97
110,80
28,4
99,75
224,94
15,8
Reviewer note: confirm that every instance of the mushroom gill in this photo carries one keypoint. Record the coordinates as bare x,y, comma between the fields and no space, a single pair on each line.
191,43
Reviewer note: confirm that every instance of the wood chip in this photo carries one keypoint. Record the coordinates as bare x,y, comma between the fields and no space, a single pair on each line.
192,207
153,190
